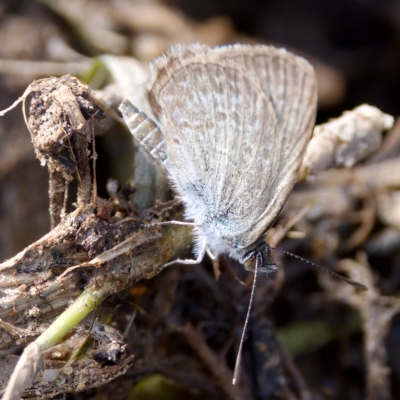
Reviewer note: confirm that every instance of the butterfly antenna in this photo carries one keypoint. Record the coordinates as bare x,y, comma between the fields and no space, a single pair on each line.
246,322
357,285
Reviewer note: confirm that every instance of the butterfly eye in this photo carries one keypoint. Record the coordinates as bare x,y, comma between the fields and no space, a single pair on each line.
250,264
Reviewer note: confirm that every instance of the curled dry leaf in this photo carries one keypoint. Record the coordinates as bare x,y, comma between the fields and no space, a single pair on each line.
60,124
344,141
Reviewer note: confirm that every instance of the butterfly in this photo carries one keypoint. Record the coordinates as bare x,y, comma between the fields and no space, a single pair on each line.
234,125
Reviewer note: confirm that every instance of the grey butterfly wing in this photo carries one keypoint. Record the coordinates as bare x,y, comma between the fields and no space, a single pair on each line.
236,122
145,131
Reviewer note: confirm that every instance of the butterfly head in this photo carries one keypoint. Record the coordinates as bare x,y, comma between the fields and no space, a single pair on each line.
259,258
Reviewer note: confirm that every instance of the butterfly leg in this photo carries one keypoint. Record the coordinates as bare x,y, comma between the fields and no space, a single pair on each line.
215,264
211,255
201,253
169,223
